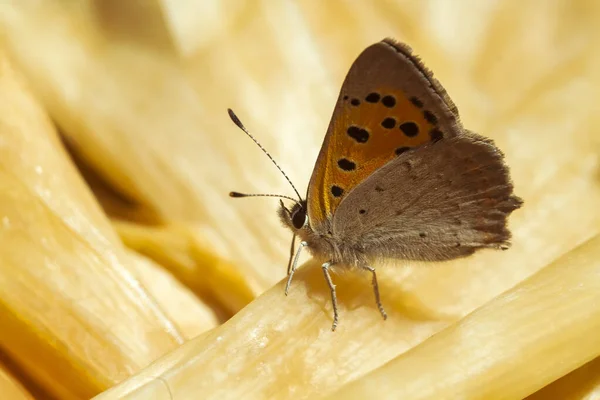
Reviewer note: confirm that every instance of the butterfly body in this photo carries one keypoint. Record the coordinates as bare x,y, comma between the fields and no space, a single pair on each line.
322,243
398,177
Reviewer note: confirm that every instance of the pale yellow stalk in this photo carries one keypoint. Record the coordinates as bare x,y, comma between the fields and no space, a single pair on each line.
512,346
72,314
115,204
524,339
10,388
191,316
581,384
154,113
176,249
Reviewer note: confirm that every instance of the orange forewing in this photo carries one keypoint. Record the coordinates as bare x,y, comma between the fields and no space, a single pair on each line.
389,102
360,158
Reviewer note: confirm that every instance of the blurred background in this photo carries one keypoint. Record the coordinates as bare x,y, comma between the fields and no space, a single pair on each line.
114,130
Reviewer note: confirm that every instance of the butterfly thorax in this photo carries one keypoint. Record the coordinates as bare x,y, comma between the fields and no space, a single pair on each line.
321,241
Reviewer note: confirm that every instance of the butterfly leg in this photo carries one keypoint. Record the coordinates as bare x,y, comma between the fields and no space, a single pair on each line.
293,267
376,291
332,290
289,268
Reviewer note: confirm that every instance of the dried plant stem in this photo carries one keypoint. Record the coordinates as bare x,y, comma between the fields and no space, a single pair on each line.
524,339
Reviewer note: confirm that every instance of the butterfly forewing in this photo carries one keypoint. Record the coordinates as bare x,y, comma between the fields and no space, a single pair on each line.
389,105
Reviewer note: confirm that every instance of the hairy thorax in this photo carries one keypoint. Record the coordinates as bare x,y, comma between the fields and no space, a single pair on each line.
323,244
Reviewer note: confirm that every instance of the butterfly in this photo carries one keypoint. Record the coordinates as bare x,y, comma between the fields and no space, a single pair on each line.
397,177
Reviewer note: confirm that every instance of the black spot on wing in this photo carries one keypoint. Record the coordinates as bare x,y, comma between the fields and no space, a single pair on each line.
336,191
388,123
373,97
388,101
401,150
346,164
359,134
436,134
430,117
416,102
410,129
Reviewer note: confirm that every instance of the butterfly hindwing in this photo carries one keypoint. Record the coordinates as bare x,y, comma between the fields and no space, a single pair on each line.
389,104
417,207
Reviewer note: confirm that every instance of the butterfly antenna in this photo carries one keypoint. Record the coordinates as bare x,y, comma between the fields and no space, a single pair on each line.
239,124
238,194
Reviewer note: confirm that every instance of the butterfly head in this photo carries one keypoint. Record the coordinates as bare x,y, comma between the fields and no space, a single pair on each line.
295,218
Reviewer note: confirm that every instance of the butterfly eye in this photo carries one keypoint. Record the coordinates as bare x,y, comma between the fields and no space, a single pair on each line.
298,217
